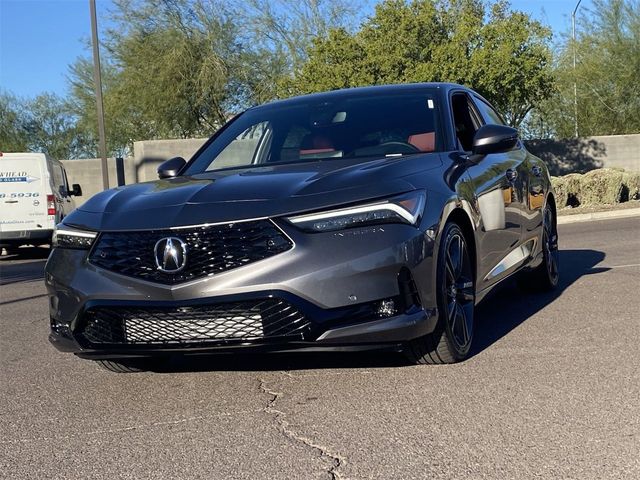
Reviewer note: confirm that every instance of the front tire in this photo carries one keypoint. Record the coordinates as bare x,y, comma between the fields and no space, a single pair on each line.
450,342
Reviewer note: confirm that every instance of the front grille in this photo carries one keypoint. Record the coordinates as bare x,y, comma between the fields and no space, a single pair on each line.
210,250
248,320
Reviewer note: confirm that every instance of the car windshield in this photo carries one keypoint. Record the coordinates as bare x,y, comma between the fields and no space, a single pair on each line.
356,127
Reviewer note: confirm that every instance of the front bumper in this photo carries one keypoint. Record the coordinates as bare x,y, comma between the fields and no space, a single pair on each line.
365,335
334,279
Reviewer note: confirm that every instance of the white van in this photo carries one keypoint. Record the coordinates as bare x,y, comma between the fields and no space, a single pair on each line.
34,197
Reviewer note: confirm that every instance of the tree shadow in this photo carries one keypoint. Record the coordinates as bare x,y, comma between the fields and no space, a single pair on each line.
572,155
497,315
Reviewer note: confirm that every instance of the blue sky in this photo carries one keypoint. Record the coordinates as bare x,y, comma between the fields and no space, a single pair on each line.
40,38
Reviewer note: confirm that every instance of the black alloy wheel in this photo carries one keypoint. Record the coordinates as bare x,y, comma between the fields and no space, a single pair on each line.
550,248
451,340
545,277
458,293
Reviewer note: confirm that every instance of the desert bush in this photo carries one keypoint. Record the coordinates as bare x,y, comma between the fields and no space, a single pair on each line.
560,190
631,182
601,186
573,183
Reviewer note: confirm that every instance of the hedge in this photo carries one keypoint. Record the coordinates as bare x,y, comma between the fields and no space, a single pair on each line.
601,186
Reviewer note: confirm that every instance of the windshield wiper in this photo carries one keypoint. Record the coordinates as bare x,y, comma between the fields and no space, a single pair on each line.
402,154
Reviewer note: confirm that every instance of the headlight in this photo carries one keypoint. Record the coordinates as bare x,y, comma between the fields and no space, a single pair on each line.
68,237
405,208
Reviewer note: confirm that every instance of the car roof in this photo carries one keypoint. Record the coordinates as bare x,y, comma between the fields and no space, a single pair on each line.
355,92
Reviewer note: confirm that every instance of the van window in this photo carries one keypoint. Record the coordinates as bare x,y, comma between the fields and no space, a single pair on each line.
65,179
58,177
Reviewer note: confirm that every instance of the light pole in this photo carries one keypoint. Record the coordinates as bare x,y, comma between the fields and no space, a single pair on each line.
97,80
575,83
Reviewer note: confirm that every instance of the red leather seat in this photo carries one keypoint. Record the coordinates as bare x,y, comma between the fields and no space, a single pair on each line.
314,144
425,142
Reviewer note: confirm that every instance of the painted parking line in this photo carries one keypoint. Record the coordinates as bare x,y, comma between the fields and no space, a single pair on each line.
620,266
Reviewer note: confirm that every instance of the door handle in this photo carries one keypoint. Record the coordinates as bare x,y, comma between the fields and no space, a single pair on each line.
511,175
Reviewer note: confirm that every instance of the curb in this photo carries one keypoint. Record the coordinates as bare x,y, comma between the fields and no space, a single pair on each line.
585,217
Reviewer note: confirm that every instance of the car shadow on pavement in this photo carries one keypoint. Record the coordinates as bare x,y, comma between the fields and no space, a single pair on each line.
25,253
25,265
508,307
497,315
280,362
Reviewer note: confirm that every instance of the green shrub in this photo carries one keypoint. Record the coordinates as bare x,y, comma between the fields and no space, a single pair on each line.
631,184
573,185
600,186
560,190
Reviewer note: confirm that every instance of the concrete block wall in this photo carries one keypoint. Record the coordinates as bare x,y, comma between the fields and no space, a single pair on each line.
88,173
139,168
622,151
151,153
580,155
562,156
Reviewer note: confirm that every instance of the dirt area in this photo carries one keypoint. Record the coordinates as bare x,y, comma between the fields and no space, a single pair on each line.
599,208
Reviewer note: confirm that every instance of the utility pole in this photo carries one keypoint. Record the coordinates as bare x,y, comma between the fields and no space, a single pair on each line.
575,82
97,80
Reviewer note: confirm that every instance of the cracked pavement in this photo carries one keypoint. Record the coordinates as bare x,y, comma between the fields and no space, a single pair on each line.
552,391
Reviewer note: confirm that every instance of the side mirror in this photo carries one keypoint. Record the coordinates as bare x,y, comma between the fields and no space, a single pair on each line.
494,139
76,190
171,167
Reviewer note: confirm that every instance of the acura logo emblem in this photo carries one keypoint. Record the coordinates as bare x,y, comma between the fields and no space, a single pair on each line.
170,254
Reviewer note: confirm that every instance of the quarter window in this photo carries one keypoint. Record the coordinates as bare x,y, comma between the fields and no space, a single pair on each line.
465,120
245,148
489,113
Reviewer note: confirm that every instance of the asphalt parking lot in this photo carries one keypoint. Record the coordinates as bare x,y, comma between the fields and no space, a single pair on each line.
552,391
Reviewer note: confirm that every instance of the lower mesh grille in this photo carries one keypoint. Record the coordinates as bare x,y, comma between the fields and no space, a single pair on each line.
250,320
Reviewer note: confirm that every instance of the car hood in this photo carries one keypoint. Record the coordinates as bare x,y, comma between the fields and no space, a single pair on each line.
239,194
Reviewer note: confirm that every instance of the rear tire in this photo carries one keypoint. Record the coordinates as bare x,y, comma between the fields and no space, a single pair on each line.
545,277
450,342
122,366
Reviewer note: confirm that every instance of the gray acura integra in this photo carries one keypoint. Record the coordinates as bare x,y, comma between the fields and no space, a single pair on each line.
356,219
